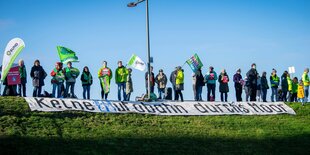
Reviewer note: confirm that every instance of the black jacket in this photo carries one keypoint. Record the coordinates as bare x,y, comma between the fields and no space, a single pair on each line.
38,75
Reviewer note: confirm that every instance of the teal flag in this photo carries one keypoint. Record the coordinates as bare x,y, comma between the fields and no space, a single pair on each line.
66,55
194,63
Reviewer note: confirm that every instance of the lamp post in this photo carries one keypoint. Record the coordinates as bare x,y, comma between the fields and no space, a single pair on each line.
134,4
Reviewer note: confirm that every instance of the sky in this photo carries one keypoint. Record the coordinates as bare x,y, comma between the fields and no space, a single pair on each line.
226,34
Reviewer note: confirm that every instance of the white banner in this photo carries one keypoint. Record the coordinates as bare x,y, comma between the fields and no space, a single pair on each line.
160,108
12,50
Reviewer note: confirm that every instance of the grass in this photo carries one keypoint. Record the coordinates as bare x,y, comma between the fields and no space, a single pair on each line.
26,132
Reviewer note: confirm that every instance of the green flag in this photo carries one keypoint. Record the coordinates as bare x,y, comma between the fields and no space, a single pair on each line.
66,55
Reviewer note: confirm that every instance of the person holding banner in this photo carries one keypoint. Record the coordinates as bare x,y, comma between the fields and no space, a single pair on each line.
161,80
211,78
238,85
305,79
274,82
105,76
23,78
71,74
87,81
38,75
58,79
224,89
129,85
120,79
179,83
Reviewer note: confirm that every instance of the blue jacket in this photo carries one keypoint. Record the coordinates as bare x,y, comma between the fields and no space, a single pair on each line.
211,77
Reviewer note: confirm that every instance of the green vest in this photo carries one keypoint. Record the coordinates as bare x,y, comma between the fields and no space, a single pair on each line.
275,79
22,72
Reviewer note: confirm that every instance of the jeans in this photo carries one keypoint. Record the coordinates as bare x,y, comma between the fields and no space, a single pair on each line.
121,86
20,88
238,88
104,95
274,94
258,95
128,97
161,93
37,91
58,87
198,93
284,94
252,92
264,95
306,93
71,85
224,97
211,89
86,90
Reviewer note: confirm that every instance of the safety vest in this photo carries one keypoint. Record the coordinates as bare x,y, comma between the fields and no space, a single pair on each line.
305,79
275,79
301,92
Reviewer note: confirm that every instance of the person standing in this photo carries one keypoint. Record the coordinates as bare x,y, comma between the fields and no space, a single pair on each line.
179,83
284,86
264,86
274,82
87,81
238,85
105,76
199,83
173,80
305,79
58,79
211,78
259,88
252,82
294,89
223,80
161,80
38,75
71,74
301,92
120,79
129,85
23,78
152,80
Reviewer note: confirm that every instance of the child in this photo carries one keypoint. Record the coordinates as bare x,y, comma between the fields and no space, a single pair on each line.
301,92
294,90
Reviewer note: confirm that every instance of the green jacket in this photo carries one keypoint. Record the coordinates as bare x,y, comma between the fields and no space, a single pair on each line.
121,74
71,74
57,76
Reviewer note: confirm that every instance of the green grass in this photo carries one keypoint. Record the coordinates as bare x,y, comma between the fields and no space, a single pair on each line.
26,132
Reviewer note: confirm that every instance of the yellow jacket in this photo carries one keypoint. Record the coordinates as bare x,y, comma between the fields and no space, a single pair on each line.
301,92
180,77
305,79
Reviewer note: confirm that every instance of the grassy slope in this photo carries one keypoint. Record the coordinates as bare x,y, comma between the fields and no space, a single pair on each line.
22,131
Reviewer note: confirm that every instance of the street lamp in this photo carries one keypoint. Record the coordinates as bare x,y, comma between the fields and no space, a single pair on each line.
133,4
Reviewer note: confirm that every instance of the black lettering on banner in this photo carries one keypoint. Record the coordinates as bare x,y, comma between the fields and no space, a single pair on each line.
167,107
178,107
55,103
245,110
88,106
200,108
275,108
119,107
40,102
146,106
227,107
214,109
160,109
218,107
76,102
255,107
138,107
64,103
266,108
281,106
124,105
235,107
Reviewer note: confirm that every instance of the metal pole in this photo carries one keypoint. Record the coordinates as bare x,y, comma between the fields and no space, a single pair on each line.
148,49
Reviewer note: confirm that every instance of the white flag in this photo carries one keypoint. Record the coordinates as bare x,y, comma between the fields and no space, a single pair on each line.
12,50
136,63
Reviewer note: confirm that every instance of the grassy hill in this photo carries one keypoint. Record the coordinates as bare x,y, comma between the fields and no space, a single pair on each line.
26,132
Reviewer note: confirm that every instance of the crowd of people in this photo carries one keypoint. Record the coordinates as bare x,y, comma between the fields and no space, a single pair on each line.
284,88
